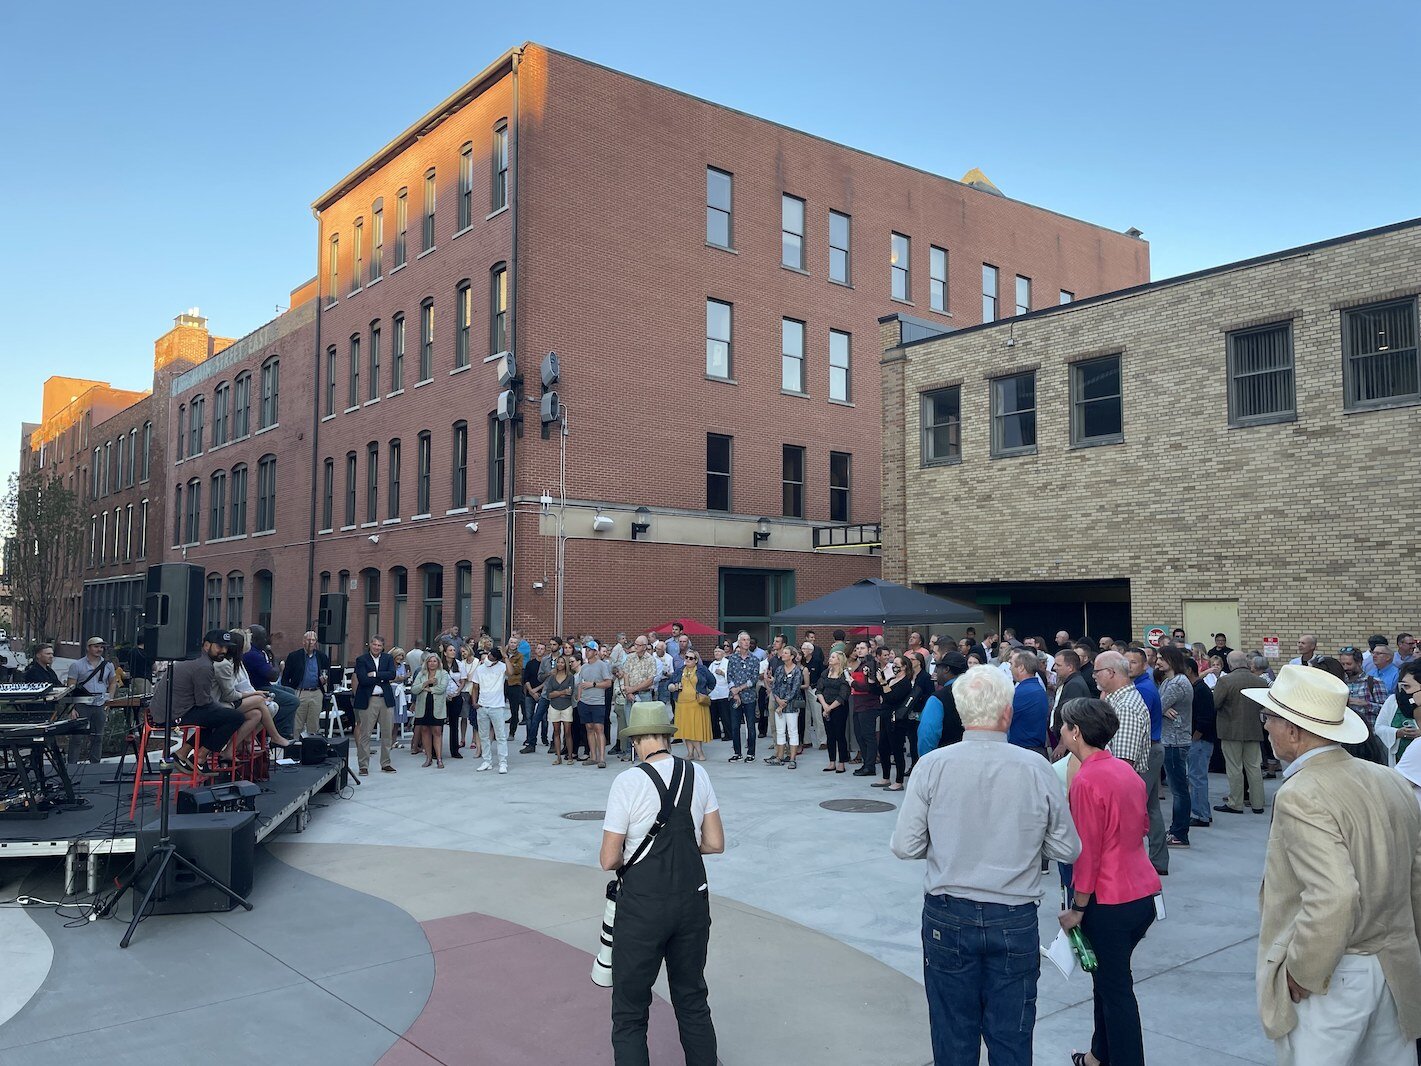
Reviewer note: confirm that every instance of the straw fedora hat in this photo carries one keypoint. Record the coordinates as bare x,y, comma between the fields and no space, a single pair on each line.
648,717
1314,700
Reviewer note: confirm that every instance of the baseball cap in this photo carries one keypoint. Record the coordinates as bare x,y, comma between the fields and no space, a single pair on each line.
954,660
593,645
95,640
217,636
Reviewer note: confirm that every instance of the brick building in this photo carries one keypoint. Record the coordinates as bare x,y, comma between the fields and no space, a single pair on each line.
1232,451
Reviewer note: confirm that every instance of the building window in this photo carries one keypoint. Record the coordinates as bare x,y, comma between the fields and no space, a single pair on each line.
1023,295
1065,297
103,538
426,340
264,598
940,413
397,355
499,198
235,599
429,194
433,603
840,472
392,504
791,355
328,484
177,523
357,271
402,225
372,482
331,380
1380,364
214,601
107,469
1014,414
221,404
718,458
192,527
94,531
459,490
791,231
463,314
493,598
497,437
373,389
371,581
498,309
718,325
132,456
719,194
839,261
466,186
241,406
377,241
989,293
400,587
238,494
217,511
350,461
352,384
792,481
333,270
1261,375
266,494
121,451
148,450
937,278
900,259
143,529
271,386
840,365
195,419
1097,415
422,477
464,596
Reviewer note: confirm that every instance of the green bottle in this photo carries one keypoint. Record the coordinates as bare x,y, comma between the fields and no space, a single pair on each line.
1080,943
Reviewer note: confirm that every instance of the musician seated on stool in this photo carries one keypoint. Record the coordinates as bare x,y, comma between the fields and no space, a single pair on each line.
96,678
193,685
234,686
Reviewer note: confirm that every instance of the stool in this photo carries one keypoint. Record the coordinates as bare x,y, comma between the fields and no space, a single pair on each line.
144,775
253,761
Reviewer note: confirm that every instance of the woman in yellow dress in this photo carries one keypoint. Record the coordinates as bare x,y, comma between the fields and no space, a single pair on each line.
693,706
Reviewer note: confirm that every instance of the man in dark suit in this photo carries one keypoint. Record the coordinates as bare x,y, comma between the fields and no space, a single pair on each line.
305,673
1070,685
374,701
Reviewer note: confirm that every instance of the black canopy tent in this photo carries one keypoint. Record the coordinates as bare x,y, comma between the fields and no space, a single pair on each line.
873,601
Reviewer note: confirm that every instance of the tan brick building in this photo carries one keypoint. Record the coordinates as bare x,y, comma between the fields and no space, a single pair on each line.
1233,450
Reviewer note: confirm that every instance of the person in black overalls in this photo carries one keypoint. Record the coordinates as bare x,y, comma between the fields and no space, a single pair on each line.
663,905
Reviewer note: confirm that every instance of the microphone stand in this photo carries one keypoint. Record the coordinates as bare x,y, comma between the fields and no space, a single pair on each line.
165,851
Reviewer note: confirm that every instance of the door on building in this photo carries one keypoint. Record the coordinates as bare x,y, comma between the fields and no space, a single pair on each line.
749,597
1204,618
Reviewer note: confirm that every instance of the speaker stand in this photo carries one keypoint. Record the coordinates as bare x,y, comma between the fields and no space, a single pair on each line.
165,851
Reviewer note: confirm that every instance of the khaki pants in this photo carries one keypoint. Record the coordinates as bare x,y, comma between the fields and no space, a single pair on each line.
378,713
1244,757
308,712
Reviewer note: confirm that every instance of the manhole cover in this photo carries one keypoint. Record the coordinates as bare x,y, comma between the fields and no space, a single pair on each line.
858,806
585,816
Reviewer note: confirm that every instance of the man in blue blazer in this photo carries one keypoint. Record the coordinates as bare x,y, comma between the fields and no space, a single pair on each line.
374,700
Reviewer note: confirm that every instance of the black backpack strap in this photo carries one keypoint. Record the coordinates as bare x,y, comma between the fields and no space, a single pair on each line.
668,805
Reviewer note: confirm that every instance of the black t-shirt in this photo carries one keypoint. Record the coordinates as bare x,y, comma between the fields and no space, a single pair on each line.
815,666
532,672
36,673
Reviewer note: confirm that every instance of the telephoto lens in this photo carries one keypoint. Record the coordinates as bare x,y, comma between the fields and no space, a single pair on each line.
602,961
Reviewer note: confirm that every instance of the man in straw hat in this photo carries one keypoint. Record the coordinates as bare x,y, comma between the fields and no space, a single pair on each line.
1339,963
663,910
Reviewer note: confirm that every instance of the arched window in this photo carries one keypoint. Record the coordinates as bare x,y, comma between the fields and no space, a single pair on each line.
400,590
147,450
493,598
221,413
372,482
192,527
463,322
236,603
238,493
500,165
350,461
498,309
459,490
464,597
214,601
328,484
264,590
217,511
266,493
432,625
271,387
370,581
181,445
466,186
242,405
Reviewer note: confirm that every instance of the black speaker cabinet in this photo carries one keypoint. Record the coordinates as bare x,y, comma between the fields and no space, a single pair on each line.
172,611
330,623
222,844
224,797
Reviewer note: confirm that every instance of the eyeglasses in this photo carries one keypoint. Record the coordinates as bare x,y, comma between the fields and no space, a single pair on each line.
1263,717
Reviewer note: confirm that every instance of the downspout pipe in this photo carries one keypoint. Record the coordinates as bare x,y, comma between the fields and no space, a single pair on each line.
515,425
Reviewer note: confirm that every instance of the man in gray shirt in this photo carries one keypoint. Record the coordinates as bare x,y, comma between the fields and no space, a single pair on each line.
191,686
981,947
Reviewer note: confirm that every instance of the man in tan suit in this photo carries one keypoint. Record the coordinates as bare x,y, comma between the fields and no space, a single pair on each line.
1239,734
1339,961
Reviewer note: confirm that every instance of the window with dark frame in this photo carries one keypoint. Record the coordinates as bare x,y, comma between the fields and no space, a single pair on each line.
498,309
989,293
459,489
720,191
430,192
1380,354
840,475
466,186
791,355
333,270
237,494
940,418
372,482
493,597
497,437
791,231
328,479
148,440
1261,384
402,225
374,377
400,580
397,355
350,462
718,467
392,503
217,512
937,278
331,380
241,405
718,338
266,494
195,420
221,405
1014,414
1023,295
463,315
499,198
792,481
1097,411
357,270
433,602
377,240
900,258
421,487
840,261
353,379
426,340
271,388
1065,296
840,365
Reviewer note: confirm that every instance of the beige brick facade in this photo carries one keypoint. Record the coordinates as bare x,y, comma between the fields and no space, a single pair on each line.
1309,524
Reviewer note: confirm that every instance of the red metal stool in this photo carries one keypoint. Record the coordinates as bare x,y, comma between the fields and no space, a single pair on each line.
146,777
253,761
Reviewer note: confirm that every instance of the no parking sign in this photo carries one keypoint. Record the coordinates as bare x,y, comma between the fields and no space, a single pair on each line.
1154,635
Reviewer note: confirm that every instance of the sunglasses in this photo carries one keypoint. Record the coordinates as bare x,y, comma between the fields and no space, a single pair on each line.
1349,650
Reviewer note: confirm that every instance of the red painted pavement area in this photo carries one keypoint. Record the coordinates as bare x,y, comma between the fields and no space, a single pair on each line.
504,993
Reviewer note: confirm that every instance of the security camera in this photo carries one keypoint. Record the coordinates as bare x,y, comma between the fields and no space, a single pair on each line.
472,527
602,523
374,538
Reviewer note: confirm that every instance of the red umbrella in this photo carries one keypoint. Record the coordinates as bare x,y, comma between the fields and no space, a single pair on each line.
689,626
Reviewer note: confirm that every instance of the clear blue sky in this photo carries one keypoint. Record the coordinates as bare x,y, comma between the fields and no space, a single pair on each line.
159,156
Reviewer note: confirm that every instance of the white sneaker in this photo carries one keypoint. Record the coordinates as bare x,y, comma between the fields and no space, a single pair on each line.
502,768
485,766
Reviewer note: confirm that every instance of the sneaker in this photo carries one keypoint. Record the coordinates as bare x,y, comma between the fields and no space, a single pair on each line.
1175,842
485,766
502,768
527,749
733,758
749,758
1199,823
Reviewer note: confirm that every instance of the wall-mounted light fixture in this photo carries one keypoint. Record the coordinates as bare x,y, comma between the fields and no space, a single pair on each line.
641,521
762,531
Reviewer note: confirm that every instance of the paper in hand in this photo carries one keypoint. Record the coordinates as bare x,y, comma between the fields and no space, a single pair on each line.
1060,954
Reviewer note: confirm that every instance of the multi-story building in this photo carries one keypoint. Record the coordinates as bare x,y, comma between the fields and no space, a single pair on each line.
1232,451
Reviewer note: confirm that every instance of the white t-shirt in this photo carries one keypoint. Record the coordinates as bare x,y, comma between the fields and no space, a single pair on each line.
634,803
489,677
719,671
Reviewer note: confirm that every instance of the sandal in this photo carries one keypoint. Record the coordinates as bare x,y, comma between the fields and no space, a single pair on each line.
772,761
893,788
439,763
557,761
791,765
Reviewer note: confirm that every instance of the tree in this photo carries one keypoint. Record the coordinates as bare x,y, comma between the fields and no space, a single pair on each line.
44,529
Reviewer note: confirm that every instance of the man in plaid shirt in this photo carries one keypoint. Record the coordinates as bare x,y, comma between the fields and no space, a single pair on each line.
1366,693
1132,739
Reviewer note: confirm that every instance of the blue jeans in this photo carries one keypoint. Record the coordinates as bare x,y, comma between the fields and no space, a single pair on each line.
735,711
1200,752
538,720
286,703
1176,772
981,962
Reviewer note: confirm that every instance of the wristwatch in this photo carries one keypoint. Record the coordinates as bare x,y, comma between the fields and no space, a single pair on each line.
1079,908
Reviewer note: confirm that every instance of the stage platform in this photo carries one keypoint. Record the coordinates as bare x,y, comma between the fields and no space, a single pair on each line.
103,828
